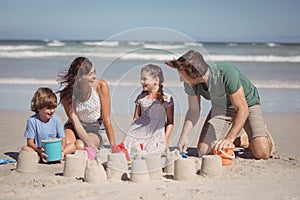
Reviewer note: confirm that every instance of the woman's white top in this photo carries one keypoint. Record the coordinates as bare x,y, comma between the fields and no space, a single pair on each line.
89,111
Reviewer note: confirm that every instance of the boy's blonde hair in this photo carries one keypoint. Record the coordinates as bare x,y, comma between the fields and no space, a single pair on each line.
43,97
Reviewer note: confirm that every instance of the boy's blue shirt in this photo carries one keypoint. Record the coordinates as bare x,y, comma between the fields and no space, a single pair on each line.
39,130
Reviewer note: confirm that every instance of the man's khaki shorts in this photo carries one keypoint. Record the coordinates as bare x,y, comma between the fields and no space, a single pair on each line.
218,123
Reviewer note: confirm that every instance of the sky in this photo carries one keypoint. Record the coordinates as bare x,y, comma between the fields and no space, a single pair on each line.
202,20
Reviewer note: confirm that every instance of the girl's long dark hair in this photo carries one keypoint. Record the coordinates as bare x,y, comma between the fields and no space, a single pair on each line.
66,79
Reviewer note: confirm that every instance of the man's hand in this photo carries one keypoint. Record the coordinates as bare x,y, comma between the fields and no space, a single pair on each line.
183,144
222,144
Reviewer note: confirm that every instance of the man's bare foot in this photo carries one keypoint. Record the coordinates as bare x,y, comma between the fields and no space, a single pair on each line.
271,142
242,141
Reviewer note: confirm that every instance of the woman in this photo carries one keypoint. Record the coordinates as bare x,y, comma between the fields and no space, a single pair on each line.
86,102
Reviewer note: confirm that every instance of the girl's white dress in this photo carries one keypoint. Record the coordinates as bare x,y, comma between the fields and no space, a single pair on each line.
149,128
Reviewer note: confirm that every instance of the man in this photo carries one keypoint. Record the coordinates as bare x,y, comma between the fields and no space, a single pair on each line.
235,105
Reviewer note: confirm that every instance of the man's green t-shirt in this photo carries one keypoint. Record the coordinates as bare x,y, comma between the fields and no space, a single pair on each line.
224,80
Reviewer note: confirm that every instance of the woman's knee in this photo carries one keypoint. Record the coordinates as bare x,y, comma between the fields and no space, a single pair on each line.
70,136
79,144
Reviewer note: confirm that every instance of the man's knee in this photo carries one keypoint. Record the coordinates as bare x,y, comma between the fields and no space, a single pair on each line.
260,148
261,155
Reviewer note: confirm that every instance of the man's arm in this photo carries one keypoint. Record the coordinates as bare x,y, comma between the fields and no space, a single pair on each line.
238,100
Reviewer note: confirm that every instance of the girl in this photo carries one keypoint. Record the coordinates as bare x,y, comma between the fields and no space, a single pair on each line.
153,116
86,102
44,124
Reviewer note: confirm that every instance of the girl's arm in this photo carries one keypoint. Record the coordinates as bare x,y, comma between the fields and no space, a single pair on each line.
169,124
191,118
137,112
103,92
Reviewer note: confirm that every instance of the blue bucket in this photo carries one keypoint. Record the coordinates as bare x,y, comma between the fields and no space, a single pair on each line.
53,149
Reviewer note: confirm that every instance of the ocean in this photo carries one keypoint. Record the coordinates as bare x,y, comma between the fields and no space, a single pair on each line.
27,65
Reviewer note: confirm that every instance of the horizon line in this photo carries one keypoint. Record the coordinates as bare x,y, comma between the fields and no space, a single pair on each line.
203,41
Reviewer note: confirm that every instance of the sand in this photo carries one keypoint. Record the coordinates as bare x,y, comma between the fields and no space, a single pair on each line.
275,178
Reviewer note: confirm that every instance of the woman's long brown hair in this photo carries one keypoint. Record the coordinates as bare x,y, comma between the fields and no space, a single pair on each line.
66,79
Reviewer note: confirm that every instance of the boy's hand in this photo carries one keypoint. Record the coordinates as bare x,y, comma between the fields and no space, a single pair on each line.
62,155
42,154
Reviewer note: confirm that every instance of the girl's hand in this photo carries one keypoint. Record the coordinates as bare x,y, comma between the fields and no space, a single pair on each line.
183,144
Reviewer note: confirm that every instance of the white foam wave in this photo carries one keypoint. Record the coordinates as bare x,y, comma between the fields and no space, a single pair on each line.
135,43
56,43
19,47
268,84
193,44
252,58
136,56
35,54
232,44
103,43
142,56
27,81
163,46
277,84
271,44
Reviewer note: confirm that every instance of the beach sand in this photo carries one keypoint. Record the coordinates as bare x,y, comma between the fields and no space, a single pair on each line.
275,178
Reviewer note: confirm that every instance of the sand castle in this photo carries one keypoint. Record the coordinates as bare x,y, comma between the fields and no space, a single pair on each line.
143,167
211,165
27,161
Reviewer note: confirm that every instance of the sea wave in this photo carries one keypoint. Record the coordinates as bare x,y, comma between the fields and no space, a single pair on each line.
35,54
257,58
55,43
103,43
27,81
146,56
267,84
19,47
193,44
163,46
271,44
